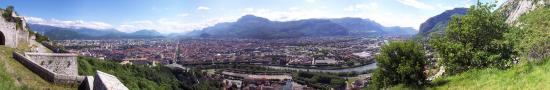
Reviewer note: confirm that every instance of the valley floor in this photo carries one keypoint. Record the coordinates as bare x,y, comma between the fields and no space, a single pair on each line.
14,75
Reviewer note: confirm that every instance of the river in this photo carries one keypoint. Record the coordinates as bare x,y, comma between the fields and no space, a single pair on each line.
360,69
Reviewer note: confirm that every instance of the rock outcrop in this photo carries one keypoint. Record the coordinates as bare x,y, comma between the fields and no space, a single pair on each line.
513,9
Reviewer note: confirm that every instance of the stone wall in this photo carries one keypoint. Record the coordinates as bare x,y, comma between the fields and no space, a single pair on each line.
47,74
60,63
104,81
9,31
87,84
12,34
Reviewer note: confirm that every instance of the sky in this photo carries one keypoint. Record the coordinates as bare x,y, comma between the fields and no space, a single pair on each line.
179,16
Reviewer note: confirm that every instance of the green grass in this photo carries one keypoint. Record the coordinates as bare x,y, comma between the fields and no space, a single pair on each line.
530,76
7,82
526,76
14,75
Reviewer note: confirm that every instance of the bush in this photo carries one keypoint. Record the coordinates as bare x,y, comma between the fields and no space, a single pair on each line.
475,40
7,14
399,62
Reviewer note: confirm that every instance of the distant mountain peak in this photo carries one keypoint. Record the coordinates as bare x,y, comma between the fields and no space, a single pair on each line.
439,22
146,32
252,18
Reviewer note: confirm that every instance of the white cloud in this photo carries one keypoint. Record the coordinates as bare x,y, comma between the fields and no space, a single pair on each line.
170,26
288,15
202,8
358,7
417,4
391,19
311,1
183,14
69,24
293,8
161,25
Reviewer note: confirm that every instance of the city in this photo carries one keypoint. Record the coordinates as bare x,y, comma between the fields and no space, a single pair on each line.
274,45
324,53
327,52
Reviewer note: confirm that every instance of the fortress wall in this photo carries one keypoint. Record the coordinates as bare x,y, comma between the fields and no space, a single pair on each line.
60,63
47,74
8,29
12,34
39,70
68,79
105,81
53,48
22,36
87,84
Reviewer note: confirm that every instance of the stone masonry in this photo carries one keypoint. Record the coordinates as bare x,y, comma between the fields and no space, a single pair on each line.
59,68
60,63
49,75
12,35
104,81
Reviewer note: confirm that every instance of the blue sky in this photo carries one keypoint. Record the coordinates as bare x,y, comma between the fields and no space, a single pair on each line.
175,16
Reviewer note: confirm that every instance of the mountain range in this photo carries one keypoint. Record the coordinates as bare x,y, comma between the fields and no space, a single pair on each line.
59,33
250,26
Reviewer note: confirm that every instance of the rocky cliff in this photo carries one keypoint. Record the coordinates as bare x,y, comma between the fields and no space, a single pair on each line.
513,9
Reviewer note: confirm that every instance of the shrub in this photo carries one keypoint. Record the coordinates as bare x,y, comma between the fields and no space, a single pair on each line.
399,62
475,40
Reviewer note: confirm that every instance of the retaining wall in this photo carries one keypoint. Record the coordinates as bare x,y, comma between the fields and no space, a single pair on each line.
60,63
47,74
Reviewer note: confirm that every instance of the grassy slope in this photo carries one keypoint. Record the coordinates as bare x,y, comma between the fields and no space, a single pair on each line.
14,75
528,76
7,80
524,76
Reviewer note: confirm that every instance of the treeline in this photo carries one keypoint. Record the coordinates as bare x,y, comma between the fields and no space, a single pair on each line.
323,81
480,39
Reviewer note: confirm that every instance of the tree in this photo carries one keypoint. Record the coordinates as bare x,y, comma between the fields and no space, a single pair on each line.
475,40
7,13
399,62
